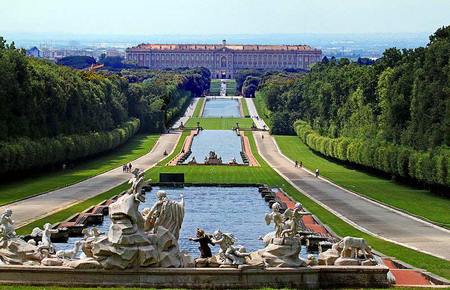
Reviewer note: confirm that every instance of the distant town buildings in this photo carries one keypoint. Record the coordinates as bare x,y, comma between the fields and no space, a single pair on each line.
55,54
226,59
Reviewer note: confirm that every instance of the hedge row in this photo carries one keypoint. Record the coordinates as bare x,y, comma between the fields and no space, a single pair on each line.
432,167
24,153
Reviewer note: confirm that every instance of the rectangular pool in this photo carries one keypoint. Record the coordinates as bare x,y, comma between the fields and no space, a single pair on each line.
236,210
222,107
225,143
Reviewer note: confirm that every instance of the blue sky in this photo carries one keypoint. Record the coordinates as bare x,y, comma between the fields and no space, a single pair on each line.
178,17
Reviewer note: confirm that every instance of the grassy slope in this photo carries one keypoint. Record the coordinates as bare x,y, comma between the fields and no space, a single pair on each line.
214,89
261,108
244,107
426,204
231,87
136,147
220,123
198,108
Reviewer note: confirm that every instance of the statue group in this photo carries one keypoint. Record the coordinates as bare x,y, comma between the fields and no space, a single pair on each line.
150,239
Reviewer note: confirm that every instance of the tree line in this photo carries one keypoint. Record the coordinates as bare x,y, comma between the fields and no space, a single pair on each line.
42,102
392,114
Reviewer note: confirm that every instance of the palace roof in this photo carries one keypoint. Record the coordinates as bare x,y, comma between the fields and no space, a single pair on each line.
212,47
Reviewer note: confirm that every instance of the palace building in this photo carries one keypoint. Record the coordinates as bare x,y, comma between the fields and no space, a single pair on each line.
226,59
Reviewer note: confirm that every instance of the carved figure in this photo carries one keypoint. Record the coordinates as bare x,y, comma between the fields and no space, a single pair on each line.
46,242
293,223
277,218
164,213
7,230
353,245
70,254
204,240
137,181
229,253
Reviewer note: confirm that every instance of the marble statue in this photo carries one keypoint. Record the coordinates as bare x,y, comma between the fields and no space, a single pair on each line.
135,239
164,213
14,250
354,245
7,225
46,242
346,253
277,218
137,181
229,253
284,244
292,223
70,254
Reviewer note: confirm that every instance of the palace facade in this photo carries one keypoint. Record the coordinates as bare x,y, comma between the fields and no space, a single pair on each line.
226,59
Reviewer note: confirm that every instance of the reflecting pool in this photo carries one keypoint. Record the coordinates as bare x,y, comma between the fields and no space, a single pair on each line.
222,107
236,210
225,143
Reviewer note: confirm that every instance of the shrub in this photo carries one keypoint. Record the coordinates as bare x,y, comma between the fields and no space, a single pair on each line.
24,153
431,167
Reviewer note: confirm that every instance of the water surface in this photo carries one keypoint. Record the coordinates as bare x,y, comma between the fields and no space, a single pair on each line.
225,143
222,107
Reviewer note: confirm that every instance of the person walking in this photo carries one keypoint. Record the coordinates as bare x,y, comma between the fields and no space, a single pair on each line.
317,172
129,167
296,163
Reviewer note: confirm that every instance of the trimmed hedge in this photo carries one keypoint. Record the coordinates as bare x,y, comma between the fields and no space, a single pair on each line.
24,153
431,167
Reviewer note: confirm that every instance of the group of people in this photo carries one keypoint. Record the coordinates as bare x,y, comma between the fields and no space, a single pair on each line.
127,167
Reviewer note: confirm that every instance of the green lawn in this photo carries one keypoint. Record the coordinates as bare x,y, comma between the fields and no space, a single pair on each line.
231,87
261,108
47,181
244,107
198,108
426,204
220,123
214,89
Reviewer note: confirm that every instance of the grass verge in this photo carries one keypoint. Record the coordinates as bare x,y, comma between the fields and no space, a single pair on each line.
48,181
261,108
220,123
198,109
426,204
244,107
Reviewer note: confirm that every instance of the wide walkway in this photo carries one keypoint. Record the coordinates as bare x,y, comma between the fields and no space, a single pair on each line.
365,214
187,114
33,208
260,124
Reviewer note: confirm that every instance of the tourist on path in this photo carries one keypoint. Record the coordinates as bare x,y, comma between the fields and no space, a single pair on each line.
129,167
317,172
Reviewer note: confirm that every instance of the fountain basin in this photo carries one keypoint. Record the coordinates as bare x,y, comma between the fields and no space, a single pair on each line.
201,278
